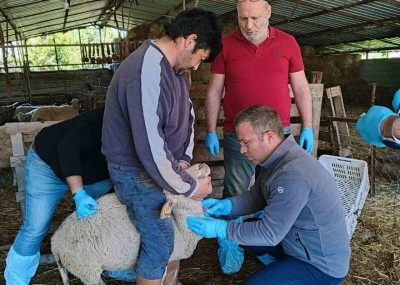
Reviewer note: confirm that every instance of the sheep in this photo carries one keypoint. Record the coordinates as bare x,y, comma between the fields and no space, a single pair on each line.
47,113
109,240
54,113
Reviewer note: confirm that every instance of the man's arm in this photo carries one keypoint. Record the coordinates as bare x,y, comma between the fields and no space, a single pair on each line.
213,101
302,96
391,127
85,205
74,183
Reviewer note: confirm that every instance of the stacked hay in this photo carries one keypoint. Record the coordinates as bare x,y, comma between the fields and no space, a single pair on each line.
342,70
376,242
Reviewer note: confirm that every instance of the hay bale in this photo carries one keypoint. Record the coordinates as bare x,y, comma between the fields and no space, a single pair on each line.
307,51
229,28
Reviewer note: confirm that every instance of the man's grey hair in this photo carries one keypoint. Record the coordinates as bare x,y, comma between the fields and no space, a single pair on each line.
262,119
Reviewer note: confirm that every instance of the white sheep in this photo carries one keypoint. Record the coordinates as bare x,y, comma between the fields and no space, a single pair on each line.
47,113
109,241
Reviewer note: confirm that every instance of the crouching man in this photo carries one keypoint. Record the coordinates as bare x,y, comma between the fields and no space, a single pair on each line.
302,237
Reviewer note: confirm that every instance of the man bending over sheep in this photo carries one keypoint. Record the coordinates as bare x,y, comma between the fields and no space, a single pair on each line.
148,132
302,237
66,155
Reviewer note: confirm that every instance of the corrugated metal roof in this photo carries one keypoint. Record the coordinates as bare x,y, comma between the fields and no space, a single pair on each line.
327,25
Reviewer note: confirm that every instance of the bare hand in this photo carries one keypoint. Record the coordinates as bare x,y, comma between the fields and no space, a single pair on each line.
204,189
183,165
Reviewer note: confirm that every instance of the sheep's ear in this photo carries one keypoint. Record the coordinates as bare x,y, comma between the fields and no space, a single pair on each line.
166,209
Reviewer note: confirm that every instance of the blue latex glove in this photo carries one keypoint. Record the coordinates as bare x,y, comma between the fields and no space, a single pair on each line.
207,227
396,101
124,275
369,126
307,139
85,204
217,207
212,143
230,254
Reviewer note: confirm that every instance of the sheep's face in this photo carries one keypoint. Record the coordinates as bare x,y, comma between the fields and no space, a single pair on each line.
198,170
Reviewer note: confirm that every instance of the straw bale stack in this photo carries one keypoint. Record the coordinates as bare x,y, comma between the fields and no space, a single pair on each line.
307,51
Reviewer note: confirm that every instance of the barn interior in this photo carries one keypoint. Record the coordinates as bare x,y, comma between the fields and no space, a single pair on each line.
351,52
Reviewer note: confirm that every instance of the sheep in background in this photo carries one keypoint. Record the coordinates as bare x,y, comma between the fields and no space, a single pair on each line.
54,113
109,240
29,113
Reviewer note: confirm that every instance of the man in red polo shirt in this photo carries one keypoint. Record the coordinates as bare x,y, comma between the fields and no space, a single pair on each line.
254,67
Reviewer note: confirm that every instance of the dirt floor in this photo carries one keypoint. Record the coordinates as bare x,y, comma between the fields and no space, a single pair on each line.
375,245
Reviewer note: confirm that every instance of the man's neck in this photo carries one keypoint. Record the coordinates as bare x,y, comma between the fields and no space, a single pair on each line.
169,48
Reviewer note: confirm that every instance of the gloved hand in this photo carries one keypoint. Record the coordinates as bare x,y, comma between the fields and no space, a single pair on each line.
369,126
396,101
85,204
212,143
217,207
230,254
207,227
307,139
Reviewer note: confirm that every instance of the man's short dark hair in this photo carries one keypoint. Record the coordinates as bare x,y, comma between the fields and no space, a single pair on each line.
204,24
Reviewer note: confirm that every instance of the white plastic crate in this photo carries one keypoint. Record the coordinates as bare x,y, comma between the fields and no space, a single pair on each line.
351,176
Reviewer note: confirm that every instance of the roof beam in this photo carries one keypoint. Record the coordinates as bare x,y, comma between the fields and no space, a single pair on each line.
12,24
325,11
383,39
109,10
177,7
353,28
66,13
336,10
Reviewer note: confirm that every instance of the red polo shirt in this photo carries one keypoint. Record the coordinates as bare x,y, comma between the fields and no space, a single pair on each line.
257,75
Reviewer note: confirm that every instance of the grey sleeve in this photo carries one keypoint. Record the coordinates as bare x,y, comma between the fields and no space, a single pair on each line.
287,198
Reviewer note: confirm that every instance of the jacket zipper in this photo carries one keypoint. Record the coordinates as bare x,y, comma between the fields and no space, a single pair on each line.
305,249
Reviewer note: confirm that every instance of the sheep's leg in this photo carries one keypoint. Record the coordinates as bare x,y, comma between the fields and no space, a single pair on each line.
90,276
61,268
171,275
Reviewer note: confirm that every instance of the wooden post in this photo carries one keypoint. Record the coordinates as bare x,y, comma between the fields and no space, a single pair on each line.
27,73
372,174
7,76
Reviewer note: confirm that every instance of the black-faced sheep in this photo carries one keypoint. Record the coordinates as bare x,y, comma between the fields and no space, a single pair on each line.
109,241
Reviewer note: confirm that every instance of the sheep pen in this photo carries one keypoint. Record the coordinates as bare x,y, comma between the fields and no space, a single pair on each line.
375,244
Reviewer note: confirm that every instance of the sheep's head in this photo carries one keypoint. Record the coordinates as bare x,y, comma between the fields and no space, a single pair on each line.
198,170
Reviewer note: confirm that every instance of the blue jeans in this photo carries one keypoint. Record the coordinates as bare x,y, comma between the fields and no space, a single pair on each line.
144,199
287,270
238,169
43,191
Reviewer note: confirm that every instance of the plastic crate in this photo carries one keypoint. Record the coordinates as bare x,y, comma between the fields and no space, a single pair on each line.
351,176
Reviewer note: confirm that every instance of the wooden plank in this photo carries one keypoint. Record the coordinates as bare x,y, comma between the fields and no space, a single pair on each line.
217,172
16,161
17,144
317,91
27,127
201,154
201,113
341,129
293,111
200,133
295,129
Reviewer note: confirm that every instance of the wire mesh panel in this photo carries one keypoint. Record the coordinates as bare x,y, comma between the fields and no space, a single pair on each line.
351,176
